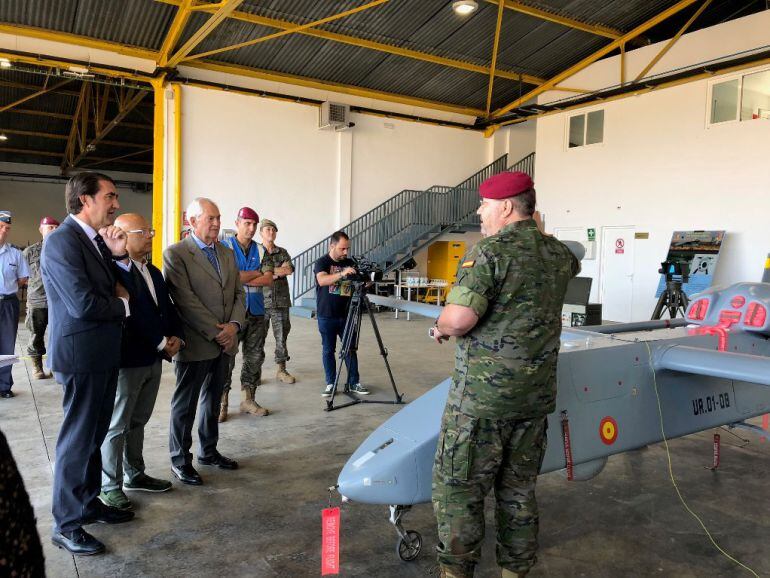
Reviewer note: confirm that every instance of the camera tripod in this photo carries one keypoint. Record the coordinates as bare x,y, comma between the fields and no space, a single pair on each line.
673,300
350,337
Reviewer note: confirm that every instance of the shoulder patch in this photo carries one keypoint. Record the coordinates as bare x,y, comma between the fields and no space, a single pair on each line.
468,264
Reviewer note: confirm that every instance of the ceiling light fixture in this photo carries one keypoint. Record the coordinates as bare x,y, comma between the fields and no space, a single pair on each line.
3,137
5,63
465,7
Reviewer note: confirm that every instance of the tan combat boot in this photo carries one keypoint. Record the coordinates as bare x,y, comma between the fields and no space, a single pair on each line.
510,574
283,375
448,572
248,405
223,407
38,371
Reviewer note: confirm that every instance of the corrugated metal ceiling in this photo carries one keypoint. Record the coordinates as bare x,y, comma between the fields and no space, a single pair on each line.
528,45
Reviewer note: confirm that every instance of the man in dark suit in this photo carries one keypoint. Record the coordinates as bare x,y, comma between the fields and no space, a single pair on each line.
205,284
87,308
153,331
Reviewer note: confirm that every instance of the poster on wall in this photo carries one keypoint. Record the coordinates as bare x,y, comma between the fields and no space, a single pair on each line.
699,250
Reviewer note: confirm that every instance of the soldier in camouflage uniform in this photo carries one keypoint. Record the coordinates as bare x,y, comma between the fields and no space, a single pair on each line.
277,297
37,302
256,272
505,310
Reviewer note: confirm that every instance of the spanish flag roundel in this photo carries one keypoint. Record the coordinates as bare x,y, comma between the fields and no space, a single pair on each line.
608,430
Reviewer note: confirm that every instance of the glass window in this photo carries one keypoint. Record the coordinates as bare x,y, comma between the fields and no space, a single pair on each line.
577,130
755,100
595,130
724,101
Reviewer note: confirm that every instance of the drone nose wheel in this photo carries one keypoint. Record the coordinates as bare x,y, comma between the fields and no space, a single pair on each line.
409,548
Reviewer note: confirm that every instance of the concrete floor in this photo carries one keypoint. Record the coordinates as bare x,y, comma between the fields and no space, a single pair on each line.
264,519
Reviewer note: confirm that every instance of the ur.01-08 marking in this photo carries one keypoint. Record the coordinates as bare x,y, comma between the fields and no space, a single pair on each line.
710,403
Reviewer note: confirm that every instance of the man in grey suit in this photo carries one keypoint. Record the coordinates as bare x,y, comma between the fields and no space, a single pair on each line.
204,282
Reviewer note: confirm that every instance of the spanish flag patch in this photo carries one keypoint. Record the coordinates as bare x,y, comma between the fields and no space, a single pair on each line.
468,264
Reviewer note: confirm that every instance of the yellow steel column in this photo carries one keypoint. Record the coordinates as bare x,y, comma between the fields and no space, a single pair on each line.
177,162
158,169
623,64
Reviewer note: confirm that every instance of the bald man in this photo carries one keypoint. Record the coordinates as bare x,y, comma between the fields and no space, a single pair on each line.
151,334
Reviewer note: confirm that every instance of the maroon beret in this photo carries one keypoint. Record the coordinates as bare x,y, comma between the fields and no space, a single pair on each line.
248,213
48,221
505,185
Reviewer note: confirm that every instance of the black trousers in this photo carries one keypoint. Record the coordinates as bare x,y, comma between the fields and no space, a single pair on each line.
9,326
198,383
36,322
77,475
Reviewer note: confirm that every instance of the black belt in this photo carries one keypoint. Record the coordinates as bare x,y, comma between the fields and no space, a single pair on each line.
7,297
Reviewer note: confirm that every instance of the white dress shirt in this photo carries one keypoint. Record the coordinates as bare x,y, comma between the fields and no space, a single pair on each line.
91,234
141,266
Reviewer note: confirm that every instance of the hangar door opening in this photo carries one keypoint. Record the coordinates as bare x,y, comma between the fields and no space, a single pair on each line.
617,273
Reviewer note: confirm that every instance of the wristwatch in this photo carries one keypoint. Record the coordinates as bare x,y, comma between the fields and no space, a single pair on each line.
120,257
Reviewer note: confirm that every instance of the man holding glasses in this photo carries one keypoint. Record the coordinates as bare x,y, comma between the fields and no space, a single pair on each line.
152,333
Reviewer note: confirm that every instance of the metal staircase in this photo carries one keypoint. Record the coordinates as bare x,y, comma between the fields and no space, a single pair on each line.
391,233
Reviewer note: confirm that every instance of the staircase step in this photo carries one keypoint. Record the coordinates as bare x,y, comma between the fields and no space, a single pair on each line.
307,312
309,302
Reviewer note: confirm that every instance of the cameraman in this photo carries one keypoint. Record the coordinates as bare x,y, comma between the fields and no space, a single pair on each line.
333,294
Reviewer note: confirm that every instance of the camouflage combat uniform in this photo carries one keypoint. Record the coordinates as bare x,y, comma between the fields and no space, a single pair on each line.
252,334
493,432
277,303
37,302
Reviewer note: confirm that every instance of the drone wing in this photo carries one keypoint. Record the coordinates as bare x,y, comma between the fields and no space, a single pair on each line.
724,364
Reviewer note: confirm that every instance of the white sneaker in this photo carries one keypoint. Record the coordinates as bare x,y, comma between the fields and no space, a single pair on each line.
328,391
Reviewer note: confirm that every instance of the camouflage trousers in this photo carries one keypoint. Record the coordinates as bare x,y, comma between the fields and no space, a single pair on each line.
252,338
36,322
473,456
279,316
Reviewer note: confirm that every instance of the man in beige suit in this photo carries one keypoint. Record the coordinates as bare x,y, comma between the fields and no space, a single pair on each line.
203,280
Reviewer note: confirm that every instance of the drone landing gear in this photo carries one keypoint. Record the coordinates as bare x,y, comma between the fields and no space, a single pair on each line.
409,542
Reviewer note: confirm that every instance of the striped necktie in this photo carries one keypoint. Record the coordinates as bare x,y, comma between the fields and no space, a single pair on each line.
211,254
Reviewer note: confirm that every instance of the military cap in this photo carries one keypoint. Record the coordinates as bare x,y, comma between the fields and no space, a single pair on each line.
267,223
248,213
49,221
5,217
505,185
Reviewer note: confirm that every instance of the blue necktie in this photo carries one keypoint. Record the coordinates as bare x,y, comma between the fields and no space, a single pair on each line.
212,257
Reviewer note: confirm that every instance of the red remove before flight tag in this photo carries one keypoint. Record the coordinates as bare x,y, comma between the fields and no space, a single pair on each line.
330,541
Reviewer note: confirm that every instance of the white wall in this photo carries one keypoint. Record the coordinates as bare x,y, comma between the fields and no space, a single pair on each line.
390,155
243,150
662,169
516,140
30,201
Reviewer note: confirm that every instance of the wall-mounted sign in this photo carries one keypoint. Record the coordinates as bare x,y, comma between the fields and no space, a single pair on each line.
699,250
591,234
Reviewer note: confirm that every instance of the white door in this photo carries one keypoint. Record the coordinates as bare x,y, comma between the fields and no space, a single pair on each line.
617,273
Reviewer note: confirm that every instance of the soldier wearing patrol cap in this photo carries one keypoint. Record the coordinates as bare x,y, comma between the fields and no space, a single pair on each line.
13,274
277,296
256,272
505,310
37,303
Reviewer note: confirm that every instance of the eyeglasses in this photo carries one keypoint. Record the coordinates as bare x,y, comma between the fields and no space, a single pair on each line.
149,233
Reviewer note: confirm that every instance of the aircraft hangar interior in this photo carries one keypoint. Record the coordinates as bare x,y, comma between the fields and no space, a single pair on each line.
297,288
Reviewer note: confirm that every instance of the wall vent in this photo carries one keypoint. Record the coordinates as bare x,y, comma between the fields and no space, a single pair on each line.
333,115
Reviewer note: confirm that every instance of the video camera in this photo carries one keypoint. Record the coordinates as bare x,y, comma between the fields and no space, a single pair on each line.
366,270
673,269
